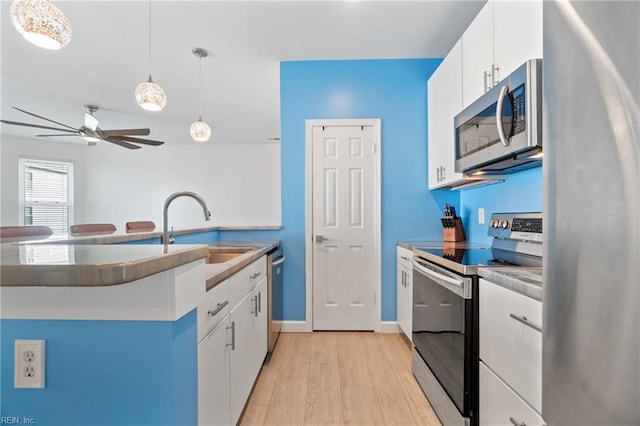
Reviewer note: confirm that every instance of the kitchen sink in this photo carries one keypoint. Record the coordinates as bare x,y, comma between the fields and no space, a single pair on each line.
224,254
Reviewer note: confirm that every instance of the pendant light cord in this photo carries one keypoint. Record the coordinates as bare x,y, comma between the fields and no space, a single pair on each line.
149,64
200,81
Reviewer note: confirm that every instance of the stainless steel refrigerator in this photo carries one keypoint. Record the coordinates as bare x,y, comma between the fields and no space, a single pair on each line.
591,331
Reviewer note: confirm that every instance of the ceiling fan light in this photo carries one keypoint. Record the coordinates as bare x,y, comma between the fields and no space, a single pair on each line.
41,23
200,131
90,139
150,96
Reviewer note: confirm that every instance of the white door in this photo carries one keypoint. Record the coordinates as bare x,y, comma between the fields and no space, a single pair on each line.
344,228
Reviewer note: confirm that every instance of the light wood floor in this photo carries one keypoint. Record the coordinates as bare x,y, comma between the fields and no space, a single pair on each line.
338,378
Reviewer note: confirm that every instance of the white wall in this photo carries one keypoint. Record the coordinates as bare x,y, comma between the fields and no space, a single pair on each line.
12,148
240,183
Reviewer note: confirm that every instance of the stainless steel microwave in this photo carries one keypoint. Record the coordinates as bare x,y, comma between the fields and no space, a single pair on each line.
501,132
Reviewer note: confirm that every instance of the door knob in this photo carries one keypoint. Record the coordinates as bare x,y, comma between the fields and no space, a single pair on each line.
320,238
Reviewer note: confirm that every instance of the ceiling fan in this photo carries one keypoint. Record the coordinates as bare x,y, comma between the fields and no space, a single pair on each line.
91,132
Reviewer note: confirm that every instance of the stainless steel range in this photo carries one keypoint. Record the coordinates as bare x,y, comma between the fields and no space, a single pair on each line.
445,310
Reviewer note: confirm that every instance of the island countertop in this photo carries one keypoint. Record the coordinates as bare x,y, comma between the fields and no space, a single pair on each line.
96,265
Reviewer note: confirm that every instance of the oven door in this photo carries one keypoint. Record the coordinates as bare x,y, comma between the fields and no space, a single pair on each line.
443,328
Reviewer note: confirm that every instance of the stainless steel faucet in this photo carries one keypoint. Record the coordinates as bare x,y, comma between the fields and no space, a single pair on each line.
166,237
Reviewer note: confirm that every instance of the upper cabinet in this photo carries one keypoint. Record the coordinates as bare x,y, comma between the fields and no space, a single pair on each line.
502,37
444,102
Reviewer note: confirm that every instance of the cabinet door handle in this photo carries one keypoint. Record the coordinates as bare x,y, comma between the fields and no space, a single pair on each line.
516,423
402,281
233,336
487,81
254,310
218,308
259,302
523,319
254,276
438,174
495,78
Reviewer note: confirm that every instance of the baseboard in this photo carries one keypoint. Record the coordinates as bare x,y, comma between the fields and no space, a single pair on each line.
389,327
295,327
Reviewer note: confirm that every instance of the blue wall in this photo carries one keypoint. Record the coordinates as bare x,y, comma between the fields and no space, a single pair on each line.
394,91
521,192
106,372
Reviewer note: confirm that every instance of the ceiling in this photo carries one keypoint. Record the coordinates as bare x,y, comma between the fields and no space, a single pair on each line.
108,56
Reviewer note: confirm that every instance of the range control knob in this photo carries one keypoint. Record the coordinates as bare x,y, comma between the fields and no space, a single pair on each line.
494,223
504,224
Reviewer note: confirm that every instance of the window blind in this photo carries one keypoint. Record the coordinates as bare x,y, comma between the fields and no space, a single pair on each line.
46,193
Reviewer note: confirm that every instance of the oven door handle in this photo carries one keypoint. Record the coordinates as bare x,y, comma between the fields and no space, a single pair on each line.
451,284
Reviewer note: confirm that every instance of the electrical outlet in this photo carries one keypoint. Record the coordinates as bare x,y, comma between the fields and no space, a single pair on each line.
481,215
29,364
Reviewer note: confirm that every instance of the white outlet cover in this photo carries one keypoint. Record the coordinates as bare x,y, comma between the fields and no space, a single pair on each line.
29,369
481,215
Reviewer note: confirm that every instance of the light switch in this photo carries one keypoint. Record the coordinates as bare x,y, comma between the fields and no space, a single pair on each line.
481,215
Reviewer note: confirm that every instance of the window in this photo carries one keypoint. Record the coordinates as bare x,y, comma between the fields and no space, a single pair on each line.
46,193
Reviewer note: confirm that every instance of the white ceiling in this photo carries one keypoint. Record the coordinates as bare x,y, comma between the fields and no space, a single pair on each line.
108,56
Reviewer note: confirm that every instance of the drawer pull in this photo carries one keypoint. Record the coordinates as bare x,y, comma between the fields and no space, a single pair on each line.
523,319
219,307
516,423
254,276
404,258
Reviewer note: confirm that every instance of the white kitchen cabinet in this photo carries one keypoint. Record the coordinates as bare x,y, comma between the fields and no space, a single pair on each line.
232,343
511,339
501,406
249,327
444,102
214,376
510,336
405,290
501,38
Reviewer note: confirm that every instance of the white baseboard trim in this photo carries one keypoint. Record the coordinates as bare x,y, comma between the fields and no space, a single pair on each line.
295,327
389,327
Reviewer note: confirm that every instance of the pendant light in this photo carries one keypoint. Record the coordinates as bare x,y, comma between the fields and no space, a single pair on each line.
41,23
200,131
149,95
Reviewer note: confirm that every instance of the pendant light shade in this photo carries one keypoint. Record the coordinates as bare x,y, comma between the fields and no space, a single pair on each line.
150,96
200,131
41,23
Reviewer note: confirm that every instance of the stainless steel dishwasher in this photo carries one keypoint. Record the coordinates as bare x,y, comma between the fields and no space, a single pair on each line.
275,268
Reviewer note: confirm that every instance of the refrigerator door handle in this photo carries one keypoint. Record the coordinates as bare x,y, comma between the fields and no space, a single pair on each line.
523,319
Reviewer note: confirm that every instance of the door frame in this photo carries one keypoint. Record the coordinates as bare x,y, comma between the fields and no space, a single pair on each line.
377,204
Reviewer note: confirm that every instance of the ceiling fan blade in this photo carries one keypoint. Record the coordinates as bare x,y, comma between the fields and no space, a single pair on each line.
138,140
59,134
17,123
125,132
122,143
43,118
90,121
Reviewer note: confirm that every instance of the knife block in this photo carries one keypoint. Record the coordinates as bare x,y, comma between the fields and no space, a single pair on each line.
455,232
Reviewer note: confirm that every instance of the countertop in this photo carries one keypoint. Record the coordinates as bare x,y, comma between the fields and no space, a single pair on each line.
89,265
84,265
410,245
526,280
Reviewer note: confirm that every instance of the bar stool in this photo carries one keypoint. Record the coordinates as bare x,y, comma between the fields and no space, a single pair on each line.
92,229
26,232
140,226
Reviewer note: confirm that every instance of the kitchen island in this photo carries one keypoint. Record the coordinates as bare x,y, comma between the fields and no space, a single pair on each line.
120,326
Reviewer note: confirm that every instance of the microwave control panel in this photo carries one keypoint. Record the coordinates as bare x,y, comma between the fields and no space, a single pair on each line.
519,110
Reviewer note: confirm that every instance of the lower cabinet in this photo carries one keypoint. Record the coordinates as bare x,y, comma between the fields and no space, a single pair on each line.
404,295
231,354
249,346
214,353
499,405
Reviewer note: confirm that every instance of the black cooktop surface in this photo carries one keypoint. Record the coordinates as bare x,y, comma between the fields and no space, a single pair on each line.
463,256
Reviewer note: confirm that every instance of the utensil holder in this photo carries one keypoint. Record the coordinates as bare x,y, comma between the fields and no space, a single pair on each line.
453,230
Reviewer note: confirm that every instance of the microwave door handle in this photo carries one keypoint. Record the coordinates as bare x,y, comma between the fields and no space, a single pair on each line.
501,96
